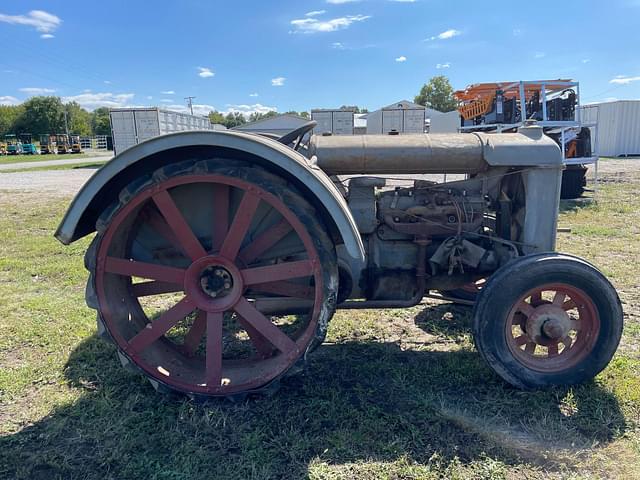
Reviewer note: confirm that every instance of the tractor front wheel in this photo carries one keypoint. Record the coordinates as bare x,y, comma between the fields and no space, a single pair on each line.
547,319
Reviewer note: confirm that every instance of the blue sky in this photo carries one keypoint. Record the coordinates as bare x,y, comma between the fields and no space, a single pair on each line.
251,55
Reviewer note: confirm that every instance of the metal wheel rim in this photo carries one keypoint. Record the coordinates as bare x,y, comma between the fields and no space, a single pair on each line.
534,348
262,371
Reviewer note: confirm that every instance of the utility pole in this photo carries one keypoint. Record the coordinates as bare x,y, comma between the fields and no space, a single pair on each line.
190,103
66,125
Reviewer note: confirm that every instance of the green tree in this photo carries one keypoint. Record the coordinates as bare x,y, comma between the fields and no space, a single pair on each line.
255,116
234,119
9,114
437,94
355,108
78,119
216,117
100,124
41,115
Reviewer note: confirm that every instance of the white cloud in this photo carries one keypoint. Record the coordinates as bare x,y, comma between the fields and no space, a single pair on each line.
338,46
517,32
278,81
47,36
44,22
167,100
91,101
107,82
149,97
624,80
253,94
401,59
339,2
198,108
36,90
168,92
539,55
404,1
315,13
249,109
586,60
440,66
452,32
205,72
313,25
9,100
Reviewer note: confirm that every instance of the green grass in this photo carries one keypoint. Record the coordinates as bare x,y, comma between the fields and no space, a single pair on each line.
396,394
8,159
73,166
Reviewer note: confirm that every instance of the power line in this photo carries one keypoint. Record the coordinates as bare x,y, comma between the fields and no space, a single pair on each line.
190,103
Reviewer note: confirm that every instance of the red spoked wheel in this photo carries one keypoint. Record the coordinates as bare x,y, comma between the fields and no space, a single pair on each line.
553,327
547,319
214,279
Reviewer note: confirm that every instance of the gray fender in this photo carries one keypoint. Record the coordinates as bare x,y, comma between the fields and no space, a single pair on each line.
103,187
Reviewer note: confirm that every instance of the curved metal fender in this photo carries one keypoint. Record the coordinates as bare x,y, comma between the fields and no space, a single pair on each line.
270,150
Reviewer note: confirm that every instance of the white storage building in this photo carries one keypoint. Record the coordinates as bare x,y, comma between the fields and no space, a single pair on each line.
130,126
618,127
403,116
277,125
336,122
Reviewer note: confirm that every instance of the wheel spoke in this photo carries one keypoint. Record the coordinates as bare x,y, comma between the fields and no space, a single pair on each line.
260,343
195,333
186,238
133,268
156,329
214,349
552,350
265,241
567,341
220,215
530,348
240,225
286,289
569,305
277,272
525,308
574,325
558,299
145,289
264,326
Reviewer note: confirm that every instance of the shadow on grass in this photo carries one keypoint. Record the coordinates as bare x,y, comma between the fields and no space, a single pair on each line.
354,403
90,166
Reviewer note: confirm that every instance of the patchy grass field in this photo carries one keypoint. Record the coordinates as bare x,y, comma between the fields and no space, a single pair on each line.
73,166
8,159
393,394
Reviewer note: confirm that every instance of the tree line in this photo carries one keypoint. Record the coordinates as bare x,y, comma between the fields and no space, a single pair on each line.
46,115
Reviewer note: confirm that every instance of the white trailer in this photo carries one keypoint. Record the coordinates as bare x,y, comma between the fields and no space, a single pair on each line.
130,126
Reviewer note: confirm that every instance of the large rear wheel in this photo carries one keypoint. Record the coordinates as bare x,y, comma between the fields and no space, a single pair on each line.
214,278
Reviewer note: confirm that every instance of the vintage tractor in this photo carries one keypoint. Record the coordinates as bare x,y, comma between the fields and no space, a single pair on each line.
221,256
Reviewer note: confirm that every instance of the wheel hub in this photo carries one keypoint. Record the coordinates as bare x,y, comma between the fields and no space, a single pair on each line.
216,281
213,283
548,324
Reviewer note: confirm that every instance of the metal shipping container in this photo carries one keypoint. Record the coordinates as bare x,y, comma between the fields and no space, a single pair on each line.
337,122
402,117
618,126
131,126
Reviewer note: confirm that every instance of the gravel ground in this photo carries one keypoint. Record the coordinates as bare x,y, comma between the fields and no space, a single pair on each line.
55,163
